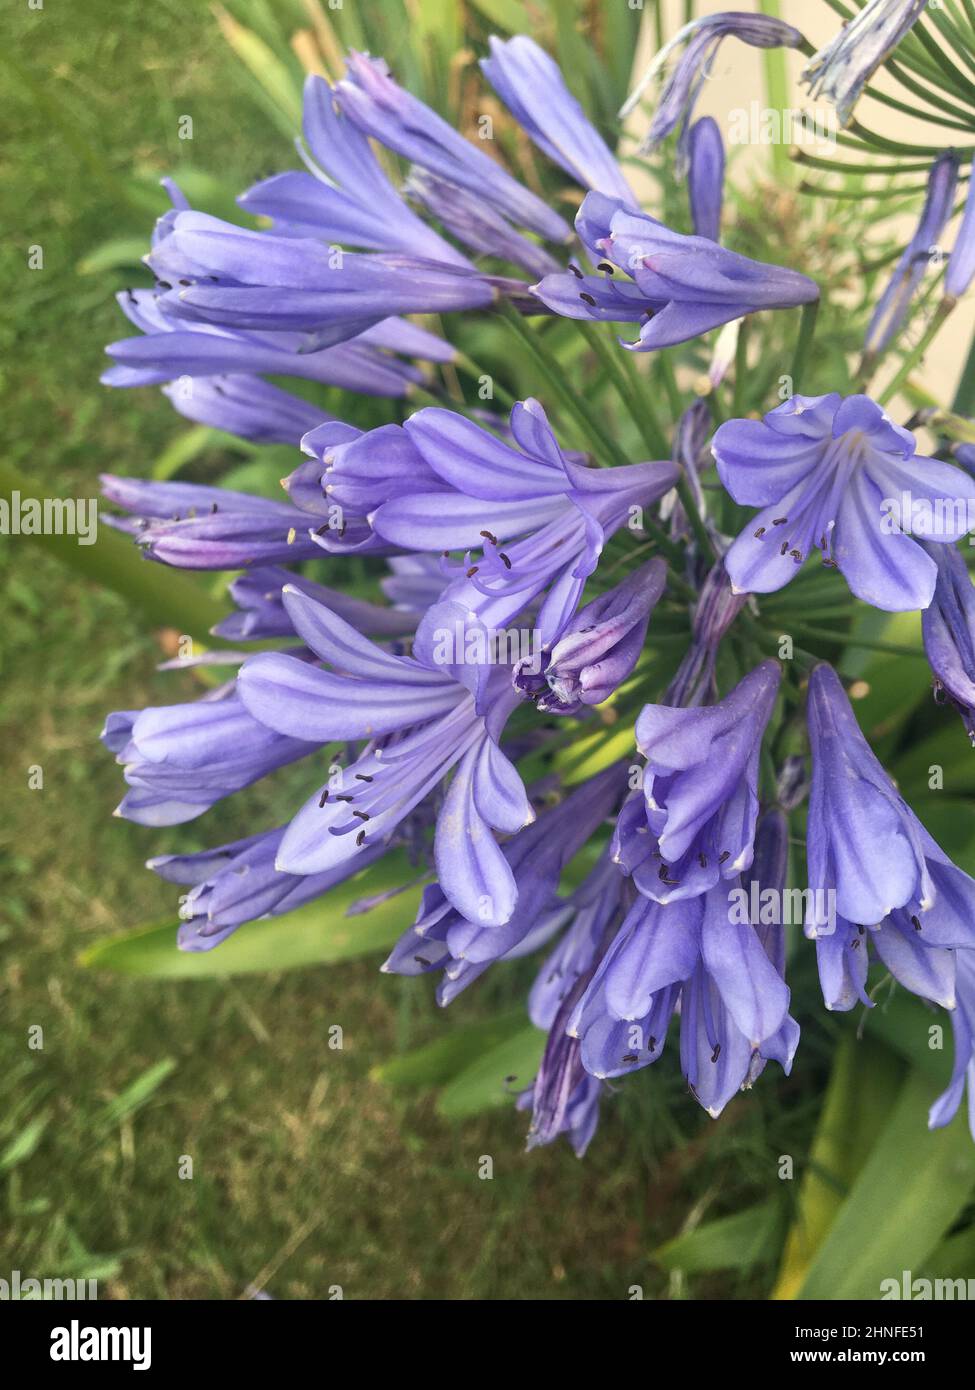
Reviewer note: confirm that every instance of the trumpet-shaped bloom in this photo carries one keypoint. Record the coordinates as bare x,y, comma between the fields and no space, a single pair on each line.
948,628
680,286
863,842
838,475
694,821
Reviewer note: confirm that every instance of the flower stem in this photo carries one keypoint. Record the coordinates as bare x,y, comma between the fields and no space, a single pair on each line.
845,639
636,402
807,329
915,355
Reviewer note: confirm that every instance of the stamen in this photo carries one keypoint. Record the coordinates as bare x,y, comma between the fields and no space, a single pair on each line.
504,559
363,815
588,299
488,537
725,854
472,571
915,923
716,1053
324,797
760,533
360,839
574,270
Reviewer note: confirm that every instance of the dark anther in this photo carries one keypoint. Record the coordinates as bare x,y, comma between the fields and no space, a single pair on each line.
702,859
421,960
361,777
605,265
797,556
574,270
854,944
632,1057
587,299
360,839
320,531
164,284
446,554
760,533
784,547
488,537
213,509
725,854
343,798
186,282
504,559
915,923
779,520
472,571
716,1053
363,815
651,1044
324,797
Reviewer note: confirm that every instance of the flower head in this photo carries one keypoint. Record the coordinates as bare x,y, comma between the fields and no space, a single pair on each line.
838,475
842,69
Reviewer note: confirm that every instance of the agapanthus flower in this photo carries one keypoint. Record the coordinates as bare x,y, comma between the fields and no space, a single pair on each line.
239,883
701,39
867,852
963,1024
260,612
597,649
681,286
179,760
532,87
704,958
894,304
694,821
948,629
842,69
463,943
369,97
211,528
961,263
423,716
705,177
716,609
836,474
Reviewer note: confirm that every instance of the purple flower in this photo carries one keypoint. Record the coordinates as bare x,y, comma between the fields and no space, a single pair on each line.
705,182
948,628
598,648
181,759
694,821
346,198
702,39
423,716
866,850
842,69
261,612
445,937
532,87
485,494
245,406
239,883
210,528
705,958
477,224
839,475
242,280
716,609
961,264
681,286
371,100
963,1023
894,303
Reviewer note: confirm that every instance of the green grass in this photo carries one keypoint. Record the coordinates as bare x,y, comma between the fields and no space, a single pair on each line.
306,1173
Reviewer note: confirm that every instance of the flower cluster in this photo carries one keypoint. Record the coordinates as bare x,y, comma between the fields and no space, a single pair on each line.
503,616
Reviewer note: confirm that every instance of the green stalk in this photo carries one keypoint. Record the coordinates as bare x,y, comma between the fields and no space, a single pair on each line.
844,639
777,92
807,329
167,597
637,404
574,405
915,355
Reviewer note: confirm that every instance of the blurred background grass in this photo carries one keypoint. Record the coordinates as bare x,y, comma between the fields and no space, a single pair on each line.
307,1174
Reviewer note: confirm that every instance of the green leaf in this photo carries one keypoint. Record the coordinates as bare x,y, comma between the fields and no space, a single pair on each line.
21,1147
167,597
317,934
908,1194
114,254
731,1242
437,1062
274,78
495,1078
510,15
135,1095
862,1090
